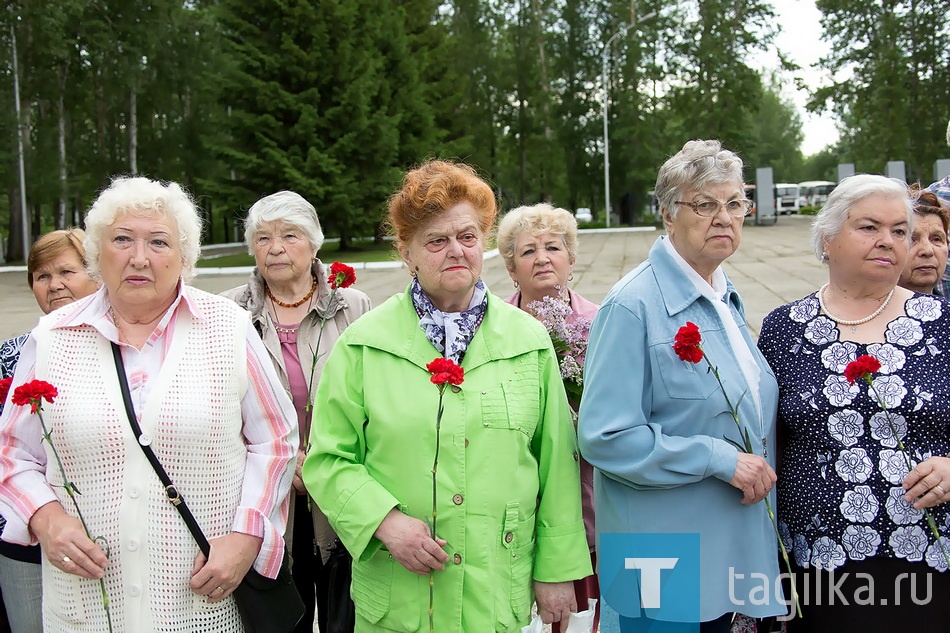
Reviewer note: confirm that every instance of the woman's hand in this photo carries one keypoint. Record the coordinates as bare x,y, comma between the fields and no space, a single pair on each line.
231,557
408,540
754,477
556,601
928,484
63,539
298,479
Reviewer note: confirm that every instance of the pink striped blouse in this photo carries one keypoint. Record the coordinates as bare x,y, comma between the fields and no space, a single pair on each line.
269,429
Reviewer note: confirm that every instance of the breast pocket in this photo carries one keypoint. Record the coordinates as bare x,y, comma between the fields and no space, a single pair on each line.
514,404
681,379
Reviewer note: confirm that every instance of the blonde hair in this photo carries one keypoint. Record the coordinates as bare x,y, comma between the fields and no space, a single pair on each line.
51,246
536,219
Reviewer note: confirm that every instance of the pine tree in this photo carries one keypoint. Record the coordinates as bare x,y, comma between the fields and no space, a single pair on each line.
323,100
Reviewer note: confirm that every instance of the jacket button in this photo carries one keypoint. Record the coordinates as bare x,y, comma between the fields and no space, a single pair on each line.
509,537
466,442
457,499
575,456
458,559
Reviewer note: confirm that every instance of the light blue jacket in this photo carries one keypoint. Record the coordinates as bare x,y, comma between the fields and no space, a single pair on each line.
653,426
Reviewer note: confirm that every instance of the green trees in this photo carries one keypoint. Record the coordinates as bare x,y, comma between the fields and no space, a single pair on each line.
335,98
891,63
323,98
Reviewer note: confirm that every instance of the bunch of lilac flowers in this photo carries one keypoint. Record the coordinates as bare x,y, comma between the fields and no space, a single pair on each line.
569,338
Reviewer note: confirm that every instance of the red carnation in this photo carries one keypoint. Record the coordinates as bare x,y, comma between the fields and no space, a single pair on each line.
445,370
862,367
4,389
341,275
33,393
687,342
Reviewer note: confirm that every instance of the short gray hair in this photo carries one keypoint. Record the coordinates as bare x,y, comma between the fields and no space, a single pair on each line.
536,219
698,164
849,192
138,196
284,206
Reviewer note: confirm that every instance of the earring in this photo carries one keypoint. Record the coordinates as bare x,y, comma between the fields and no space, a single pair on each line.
824,256
515,283
571,277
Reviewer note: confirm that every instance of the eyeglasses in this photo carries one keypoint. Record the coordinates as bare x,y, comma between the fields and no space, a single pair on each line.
708,207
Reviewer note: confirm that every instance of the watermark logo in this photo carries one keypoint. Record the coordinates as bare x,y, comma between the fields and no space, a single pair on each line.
653,576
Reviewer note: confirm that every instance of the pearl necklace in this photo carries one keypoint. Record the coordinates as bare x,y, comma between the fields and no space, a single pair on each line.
856,322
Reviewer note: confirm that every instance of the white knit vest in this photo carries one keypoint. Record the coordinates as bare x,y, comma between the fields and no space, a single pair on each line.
193,420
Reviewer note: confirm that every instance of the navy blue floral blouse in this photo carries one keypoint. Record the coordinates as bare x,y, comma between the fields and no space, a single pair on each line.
839,491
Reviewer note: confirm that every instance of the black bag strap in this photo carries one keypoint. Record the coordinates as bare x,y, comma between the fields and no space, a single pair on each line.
170,490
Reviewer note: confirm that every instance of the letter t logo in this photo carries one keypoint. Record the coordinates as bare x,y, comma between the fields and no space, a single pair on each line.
650,578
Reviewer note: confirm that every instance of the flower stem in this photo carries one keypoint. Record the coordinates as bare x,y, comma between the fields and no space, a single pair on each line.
315,352
910,467
744,436
435,513
71,491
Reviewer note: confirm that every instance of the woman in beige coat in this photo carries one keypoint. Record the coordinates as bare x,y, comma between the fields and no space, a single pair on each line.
288,296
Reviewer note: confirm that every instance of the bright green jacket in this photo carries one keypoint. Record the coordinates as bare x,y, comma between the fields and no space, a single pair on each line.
508,480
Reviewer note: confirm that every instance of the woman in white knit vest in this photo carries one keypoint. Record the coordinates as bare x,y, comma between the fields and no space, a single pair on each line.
209,404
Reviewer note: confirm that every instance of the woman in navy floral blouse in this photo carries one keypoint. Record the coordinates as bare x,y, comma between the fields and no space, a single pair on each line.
867,560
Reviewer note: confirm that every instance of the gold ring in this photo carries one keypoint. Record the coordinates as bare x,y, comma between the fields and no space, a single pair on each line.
220,588
67,559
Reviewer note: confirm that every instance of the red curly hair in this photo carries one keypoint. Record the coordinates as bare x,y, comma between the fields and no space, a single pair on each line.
432,188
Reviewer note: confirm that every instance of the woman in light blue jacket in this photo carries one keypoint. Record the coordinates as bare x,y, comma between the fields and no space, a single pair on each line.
657,429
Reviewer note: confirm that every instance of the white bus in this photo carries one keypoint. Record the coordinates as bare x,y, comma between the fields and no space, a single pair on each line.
816,191
787,198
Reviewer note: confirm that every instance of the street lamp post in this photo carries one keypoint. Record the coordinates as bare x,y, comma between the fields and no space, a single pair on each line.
605,58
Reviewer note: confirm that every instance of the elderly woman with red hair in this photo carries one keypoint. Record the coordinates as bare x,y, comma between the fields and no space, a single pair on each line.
507,488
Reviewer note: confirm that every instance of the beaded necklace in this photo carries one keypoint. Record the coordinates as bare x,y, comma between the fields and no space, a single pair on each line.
295,304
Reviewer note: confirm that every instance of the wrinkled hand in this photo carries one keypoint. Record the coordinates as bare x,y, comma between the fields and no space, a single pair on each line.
754,477
231,557
556,601
408,540
64,541
299,488
928,484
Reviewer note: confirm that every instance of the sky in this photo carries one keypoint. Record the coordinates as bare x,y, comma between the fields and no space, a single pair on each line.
800,39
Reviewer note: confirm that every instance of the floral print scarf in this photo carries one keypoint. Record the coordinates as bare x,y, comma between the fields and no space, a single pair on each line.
450,332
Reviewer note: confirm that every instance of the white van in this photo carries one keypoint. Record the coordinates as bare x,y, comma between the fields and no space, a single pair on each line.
787,198
816,191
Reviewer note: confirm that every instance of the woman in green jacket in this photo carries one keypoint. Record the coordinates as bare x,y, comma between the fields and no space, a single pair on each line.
509,525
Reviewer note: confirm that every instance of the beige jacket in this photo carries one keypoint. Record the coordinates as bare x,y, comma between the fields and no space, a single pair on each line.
348,305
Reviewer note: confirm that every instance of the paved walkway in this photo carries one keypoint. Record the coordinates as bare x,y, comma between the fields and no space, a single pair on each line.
774,265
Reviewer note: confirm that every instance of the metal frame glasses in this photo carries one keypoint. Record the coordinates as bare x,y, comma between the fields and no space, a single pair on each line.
709,207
